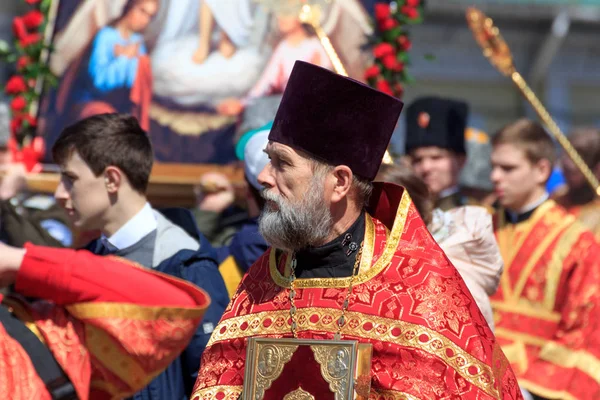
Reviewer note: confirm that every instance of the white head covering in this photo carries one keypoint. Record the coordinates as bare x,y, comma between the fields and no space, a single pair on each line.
255,159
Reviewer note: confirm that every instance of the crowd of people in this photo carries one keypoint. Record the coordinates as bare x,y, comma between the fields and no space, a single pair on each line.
462,293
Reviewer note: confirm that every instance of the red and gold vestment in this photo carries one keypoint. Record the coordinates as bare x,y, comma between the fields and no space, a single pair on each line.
546,309
111,326
429,339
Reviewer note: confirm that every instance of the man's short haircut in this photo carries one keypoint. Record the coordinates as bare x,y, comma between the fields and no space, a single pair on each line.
362,188
530,137
587,143
109,140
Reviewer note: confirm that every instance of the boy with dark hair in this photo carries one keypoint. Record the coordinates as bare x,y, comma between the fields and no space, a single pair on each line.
105,163
546,309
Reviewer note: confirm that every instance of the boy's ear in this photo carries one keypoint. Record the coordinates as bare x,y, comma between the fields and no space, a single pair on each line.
113,178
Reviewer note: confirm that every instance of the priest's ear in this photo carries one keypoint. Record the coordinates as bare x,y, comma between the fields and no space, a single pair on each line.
342,183
113,179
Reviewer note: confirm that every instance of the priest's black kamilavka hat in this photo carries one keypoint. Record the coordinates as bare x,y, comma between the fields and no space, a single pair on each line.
435,121
335,119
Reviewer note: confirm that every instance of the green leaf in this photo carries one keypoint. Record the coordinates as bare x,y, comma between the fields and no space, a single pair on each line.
51,80
35,69
417,20
395,32
403,57
29,96
45,6
408,78
387,74
388,36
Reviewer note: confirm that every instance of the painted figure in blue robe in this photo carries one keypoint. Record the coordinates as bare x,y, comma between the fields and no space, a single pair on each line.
114,73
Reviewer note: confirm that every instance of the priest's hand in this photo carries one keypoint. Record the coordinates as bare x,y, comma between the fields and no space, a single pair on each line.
10,263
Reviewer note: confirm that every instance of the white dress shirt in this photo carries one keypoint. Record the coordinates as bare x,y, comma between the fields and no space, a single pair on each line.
142,223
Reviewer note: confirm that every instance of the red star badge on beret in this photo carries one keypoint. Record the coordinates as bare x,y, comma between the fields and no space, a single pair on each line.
423,120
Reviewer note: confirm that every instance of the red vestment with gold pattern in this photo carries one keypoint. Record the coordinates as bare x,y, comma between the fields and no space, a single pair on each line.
106,326
547,307
429,339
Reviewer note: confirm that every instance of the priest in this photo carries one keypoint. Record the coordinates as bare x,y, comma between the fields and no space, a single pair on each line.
351,260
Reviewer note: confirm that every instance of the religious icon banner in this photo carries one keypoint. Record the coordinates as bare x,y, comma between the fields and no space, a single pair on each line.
196,73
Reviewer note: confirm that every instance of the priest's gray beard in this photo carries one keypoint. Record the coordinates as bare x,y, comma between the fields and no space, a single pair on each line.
295,226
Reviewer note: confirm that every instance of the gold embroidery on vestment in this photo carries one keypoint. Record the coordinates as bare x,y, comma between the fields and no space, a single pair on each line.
381,329
556,265
227,392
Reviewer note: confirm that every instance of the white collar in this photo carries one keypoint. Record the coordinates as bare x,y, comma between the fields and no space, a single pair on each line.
140,225
531,206
448,192
535,204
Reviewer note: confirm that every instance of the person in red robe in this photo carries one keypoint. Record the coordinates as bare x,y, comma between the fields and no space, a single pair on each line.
547,308
109,338
341,264
578,197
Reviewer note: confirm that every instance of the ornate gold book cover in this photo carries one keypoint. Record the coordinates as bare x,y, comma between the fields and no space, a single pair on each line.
303,369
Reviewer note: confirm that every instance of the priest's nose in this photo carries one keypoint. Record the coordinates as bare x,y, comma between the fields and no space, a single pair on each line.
266,178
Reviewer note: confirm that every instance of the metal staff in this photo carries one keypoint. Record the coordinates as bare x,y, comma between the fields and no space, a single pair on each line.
497,52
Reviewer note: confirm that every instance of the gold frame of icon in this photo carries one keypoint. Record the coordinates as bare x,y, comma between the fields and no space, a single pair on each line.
345,365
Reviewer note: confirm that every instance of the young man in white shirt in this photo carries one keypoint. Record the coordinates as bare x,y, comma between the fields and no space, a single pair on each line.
105,163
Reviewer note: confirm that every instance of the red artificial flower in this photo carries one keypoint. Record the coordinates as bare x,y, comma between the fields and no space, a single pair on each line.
30,39
33,19
23,62
384,86
30,120
404,43
383,49
410,12
413,3
18,104
19,28
15,85
32,1
387,24
15,125
32,153
391,62
372,72
382,11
